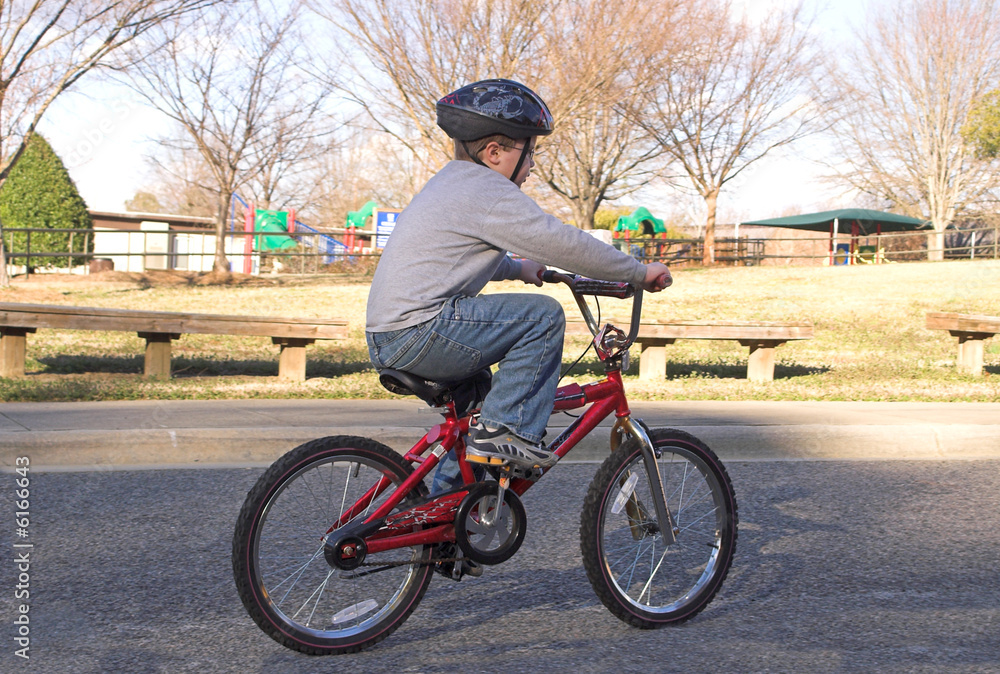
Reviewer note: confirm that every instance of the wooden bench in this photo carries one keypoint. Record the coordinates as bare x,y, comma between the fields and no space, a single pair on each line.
159,329
760,337
972,331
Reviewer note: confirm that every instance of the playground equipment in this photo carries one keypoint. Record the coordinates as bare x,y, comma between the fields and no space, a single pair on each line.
355,221
641,222
273,221
279,232
257,223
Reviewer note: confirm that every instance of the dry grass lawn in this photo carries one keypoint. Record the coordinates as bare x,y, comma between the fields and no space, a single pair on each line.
870,341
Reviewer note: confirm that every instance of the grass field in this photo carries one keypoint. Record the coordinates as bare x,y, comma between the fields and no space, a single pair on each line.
870,342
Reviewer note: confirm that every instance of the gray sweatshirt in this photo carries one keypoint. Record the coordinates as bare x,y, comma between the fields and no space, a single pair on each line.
453,239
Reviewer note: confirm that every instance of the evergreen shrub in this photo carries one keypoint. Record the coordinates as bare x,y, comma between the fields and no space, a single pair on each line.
39,193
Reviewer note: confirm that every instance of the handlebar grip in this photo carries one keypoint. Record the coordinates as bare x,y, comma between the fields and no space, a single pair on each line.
589,286
548,276
664,281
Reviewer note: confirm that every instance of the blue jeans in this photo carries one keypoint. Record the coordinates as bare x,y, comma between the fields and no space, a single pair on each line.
522,332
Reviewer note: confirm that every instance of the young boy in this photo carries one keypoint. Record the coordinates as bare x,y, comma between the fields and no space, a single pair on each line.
425,313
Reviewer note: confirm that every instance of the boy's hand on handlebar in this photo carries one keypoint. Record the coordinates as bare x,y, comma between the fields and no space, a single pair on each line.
657,277
531,272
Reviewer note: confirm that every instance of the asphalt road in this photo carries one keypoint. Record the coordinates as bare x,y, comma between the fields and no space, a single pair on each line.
841,566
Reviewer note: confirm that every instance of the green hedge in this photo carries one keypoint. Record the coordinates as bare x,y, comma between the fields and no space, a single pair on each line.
39,193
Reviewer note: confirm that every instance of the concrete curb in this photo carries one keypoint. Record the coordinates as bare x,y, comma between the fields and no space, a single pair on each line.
236,445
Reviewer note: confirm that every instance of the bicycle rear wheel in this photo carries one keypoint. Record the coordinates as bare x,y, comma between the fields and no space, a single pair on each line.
282,576
639,578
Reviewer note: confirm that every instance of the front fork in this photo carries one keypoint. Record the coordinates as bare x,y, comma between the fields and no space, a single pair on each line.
625,428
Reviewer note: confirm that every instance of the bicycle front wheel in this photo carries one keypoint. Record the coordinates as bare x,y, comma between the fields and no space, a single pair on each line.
287,586
639,578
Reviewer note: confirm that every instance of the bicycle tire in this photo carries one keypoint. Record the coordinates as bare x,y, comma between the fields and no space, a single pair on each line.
283,579
639,579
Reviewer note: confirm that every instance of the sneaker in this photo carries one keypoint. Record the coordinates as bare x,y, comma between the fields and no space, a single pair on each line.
501,447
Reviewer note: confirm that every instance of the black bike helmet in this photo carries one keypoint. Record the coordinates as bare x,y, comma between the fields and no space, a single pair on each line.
494,106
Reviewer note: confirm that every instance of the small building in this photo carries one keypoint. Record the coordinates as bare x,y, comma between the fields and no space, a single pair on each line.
137,242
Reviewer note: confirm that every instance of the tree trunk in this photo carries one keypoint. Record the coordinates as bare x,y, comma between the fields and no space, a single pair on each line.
935,246
221,263
708,251
583,214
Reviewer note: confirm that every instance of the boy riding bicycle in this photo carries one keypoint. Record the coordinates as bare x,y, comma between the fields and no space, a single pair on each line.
425,315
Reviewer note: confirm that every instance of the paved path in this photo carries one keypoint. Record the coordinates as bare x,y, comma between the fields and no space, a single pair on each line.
881,566
155,433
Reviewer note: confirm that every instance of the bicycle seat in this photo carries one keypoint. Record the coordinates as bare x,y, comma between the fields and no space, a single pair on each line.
467,394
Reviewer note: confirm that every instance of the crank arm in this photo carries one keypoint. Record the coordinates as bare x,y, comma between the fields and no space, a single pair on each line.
489,518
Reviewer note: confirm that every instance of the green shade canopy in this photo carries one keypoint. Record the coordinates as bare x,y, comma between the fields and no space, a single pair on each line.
633,222
869,221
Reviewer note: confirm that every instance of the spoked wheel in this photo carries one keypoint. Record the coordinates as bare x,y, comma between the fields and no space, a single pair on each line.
287,585
638,578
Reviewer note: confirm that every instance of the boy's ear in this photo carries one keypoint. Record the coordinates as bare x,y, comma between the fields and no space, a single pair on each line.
492,153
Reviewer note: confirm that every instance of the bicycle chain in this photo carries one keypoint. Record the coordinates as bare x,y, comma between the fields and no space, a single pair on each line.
432,562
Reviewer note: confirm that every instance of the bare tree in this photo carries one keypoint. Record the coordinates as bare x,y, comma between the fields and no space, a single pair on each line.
181,183
288,149
908,88
581,56
358,167
233,82
46,47
593,69
729,94
415,51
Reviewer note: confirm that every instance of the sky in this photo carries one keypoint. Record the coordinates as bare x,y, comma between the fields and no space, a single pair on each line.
104,139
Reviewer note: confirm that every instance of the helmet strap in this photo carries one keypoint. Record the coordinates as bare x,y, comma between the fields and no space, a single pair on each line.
520,161
473,157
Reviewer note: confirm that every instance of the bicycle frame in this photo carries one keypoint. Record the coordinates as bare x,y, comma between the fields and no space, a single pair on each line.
382,530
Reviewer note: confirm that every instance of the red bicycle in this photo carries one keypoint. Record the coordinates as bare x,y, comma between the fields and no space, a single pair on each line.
337,541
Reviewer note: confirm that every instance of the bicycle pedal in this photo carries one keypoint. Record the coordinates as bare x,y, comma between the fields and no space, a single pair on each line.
471,568
531,474
511,471
485,460
456,565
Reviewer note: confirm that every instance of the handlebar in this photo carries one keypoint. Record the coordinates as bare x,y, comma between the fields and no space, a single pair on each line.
582,286
589,286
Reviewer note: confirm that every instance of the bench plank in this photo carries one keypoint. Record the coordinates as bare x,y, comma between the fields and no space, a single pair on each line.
972,330
975,323
159,329
726,330
128,320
